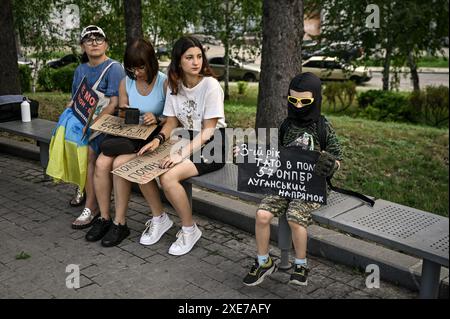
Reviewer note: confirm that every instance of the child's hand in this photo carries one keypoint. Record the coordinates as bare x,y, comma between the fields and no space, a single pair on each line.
326,165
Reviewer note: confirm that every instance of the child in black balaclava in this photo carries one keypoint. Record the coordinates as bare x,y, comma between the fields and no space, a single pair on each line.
300,129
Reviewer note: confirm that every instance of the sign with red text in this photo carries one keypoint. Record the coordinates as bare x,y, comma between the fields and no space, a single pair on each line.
84,102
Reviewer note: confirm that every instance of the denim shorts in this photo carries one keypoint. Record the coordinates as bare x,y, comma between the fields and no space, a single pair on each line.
96,142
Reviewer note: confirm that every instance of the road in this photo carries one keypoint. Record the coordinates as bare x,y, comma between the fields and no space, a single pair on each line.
425,79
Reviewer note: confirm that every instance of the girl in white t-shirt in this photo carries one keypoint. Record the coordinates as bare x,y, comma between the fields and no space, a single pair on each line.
195,102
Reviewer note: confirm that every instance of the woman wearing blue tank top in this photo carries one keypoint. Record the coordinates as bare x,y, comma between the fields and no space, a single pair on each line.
144,88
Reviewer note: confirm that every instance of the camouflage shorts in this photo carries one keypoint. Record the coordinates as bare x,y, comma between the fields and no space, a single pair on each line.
296,210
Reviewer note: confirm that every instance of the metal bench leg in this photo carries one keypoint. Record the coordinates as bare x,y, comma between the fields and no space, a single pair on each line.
43,156
284,242
429,284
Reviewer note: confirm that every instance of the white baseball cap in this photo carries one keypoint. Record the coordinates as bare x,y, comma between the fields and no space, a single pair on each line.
90,29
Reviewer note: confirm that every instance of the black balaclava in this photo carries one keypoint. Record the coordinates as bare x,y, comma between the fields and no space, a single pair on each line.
309,114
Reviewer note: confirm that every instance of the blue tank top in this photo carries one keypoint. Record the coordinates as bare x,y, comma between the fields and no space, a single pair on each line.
153,102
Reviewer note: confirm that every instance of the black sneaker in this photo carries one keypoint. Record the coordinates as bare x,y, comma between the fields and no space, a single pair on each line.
299,276
257,272
115,235
99,229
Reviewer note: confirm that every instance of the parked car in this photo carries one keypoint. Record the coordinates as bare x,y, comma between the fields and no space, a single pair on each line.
238,70
327,68
345,51
65,60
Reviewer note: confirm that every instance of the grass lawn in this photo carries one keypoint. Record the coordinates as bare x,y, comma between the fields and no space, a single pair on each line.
398,162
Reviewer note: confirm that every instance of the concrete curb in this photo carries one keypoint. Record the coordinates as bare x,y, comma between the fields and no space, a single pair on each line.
394,266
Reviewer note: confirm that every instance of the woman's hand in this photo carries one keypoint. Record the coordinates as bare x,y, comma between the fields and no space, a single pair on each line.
150,119
149,147
170,161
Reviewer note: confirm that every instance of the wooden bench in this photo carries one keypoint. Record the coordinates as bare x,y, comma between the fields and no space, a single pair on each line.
38,129
395,226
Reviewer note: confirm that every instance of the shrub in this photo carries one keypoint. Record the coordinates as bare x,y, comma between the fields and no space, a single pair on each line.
368,97
62,78
45,79
386,106
345,92
431,105
57,79
242,87
25,78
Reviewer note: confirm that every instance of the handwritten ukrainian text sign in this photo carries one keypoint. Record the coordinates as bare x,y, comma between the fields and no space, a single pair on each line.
144,168
286,172
114,125
84,102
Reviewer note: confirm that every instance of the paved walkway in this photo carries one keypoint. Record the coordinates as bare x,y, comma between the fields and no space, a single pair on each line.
35,219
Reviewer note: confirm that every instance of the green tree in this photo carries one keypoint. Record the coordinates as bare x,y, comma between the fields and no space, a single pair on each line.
405,30
133,20
165,21
9,78
39,31
232,21
282,28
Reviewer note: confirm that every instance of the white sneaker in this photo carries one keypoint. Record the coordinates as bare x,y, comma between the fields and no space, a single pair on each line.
153,232
185,242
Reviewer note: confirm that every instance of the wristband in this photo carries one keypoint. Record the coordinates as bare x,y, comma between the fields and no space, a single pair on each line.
159,138
162,136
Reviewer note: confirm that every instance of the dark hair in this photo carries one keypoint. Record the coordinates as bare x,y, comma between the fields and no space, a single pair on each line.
141,52
175,73
84,56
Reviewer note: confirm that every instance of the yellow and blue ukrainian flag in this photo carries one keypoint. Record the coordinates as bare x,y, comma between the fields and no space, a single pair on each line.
68,153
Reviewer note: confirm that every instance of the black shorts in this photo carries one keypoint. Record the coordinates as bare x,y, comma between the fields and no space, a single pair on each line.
205,161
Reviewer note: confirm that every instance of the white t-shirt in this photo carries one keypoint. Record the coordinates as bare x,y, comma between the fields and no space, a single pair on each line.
193,105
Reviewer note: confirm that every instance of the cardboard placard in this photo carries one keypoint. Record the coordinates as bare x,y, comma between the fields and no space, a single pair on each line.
84,102
286,172
144,168
114,125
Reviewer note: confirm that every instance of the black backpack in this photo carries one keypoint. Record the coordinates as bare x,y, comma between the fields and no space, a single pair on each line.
10,107
322,132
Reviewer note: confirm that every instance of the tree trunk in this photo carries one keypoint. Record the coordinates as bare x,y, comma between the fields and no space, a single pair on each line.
9,76
414,74
280,58
133,20
386,69
226,74
227,53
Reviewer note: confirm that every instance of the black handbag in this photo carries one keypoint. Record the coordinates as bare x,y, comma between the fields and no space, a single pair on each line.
118,145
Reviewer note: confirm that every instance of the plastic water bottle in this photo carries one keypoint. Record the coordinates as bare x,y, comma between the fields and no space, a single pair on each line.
25,110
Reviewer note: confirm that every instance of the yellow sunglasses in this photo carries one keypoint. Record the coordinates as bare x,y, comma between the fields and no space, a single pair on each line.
303,100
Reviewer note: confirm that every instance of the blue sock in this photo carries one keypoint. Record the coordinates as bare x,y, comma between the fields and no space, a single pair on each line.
262,259
302,262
